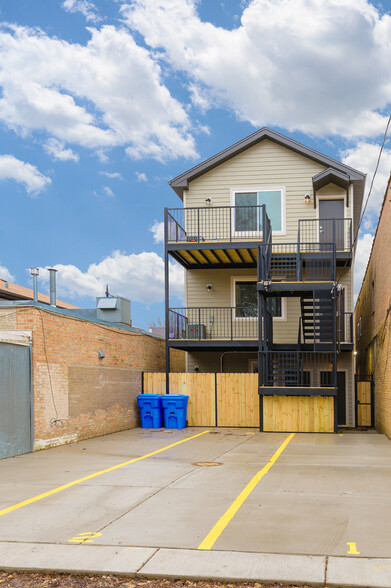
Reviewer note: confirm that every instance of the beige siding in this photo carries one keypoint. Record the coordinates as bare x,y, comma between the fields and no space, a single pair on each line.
264,165
233,362
285,331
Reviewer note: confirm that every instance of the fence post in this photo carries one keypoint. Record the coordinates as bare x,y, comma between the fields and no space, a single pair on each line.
216,419
167,299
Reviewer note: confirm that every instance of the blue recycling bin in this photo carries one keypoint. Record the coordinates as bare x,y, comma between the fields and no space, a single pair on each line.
150,411
175,410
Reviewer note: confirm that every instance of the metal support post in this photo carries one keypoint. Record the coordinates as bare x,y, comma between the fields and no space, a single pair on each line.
167,299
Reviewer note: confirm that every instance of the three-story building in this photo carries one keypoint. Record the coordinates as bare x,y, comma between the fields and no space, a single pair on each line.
265,235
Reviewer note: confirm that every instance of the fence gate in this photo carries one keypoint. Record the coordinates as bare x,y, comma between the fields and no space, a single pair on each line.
364,402
15,400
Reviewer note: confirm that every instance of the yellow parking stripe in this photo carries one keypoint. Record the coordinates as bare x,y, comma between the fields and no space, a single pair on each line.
90,476
219,527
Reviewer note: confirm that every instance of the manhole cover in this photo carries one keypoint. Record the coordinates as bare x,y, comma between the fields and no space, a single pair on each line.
208,464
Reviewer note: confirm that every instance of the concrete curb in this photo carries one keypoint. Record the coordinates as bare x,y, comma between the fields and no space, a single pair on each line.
193,564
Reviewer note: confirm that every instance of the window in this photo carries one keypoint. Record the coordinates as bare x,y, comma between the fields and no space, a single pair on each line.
246,300
248,218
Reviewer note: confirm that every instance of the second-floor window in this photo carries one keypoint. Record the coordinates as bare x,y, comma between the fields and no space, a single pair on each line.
248,211
246,300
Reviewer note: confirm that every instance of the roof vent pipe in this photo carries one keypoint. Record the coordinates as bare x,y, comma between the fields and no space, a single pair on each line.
34,271
52,273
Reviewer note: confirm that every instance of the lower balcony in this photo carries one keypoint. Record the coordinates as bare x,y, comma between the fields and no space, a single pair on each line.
216,327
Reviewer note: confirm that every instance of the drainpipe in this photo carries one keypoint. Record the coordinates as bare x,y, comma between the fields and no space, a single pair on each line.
52,273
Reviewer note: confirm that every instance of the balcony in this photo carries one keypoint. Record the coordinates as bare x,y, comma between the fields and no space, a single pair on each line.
284,265
214,326
333,230
216,236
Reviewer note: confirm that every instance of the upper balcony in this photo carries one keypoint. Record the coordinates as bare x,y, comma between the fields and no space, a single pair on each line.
229,236
218,236
328,230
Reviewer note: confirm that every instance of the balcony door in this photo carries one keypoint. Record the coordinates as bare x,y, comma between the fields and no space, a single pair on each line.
328,210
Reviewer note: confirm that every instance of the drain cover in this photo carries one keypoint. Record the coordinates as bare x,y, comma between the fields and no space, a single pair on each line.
208,464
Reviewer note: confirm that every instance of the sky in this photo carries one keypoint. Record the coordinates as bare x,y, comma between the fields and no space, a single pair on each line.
102,102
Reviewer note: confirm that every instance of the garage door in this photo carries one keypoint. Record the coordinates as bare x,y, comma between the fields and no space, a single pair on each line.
15,400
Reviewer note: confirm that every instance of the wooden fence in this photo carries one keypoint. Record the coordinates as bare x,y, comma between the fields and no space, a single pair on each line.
364,407
231,400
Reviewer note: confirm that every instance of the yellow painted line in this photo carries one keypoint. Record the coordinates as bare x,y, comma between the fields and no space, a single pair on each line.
352,548
95,475
219,527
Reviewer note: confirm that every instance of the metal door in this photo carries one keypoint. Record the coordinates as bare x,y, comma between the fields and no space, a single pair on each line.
331,223
15,400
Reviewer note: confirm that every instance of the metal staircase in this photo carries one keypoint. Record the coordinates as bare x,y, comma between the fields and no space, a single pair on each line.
317,318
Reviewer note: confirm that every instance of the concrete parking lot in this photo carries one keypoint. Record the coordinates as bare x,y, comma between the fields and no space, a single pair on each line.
203,490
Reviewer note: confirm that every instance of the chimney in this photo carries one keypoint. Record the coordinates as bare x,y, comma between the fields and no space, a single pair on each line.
52,273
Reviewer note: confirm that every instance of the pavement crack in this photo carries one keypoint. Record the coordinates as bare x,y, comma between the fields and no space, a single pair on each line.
147,560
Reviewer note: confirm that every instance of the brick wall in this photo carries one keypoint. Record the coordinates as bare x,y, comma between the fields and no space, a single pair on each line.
373,307
92,396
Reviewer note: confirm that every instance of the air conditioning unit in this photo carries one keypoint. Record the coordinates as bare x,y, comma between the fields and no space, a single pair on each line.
195,331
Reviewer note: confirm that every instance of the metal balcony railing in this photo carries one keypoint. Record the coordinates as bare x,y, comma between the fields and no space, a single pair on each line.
298,369
323,231
345,328
217,223
224,323
296,262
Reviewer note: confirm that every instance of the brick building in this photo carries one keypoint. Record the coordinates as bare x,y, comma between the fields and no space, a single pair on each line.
67,377
372,320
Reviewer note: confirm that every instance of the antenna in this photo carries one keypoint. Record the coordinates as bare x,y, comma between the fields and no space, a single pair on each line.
107,291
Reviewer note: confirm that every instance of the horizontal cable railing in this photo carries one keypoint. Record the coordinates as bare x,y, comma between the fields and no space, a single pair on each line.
321,231
301,369
296,262
217,223
228,323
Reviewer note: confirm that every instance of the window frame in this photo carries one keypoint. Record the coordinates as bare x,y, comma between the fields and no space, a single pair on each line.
257,189
235,279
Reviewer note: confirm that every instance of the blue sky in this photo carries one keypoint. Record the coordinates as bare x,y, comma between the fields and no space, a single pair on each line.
102,102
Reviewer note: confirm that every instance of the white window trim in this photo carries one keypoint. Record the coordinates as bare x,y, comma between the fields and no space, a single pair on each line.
235,279
263,189
346,212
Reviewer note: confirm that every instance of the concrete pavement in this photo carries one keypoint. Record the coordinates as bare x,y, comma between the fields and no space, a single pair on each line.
321,514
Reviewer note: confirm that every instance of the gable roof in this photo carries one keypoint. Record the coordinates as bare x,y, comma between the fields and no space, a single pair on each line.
181,182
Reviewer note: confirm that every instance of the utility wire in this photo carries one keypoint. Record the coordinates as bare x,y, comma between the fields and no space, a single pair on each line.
369,194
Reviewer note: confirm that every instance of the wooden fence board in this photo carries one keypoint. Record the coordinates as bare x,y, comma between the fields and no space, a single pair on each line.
364,418
237,400
200,387
298,414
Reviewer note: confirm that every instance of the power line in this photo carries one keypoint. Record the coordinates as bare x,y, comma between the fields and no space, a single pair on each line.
369,193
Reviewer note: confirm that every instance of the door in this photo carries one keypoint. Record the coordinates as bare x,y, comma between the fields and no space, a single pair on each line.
329,210
325,380
15,400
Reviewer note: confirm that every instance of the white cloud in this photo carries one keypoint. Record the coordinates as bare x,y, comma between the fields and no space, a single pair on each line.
112,175
158,232
57,149
106,93
87,9
364,246
141,177
319,66
5,274
108,191
364,157
139,277
24,173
